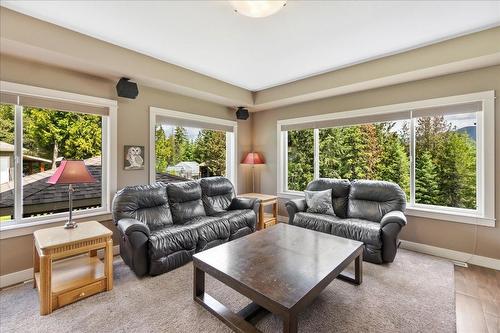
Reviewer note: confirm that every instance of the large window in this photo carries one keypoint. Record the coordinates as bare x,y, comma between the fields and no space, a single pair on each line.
36,134
187,146
378,151
435,150
189,152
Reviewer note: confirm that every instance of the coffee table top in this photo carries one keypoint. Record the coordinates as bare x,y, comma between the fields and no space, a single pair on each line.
282,263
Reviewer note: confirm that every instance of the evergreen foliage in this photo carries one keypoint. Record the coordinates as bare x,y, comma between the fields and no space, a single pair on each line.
445,164
209,148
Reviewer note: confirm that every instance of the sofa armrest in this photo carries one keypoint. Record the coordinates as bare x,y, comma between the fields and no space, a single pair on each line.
127,226
395,216
134,244
245,203
391,225
295,206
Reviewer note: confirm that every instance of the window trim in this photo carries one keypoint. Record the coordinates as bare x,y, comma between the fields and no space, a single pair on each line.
231,137
485,215
108,164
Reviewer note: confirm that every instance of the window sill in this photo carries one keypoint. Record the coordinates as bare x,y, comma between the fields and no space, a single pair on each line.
26,228
422,212
450,216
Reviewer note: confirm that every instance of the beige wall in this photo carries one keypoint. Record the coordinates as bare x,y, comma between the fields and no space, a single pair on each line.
133,128
455,236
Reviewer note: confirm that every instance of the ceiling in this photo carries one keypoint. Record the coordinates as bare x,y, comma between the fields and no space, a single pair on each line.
304,39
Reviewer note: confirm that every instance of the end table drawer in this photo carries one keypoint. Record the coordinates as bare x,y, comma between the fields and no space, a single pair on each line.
81,293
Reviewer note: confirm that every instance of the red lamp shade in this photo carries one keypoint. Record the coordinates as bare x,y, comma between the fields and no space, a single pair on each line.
253,158
71,172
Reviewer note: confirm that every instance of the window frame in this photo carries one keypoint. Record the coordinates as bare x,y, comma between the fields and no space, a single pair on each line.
108,158
485,160
231,137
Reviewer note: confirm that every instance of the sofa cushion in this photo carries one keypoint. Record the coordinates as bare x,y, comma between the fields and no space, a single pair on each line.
371,200
185,201
319,202
364,231
145,203
217,194
194,234
239,219
210,229
340,192
171,239
318,222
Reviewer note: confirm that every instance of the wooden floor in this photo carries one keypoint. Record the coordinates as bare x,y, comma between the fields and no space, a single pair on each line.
477,291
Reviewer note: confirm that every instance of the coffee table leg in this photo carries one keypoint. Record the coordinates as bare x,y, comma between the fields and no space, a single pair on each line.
357,278
358,269
290,324
198,282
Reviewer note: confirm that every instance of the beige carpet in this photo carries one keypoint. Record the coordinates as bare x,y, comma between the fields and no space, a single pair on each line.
413,294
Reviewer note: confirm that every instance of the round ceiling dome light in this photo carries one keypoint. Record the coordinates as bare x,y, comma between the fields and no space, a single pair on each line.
257,8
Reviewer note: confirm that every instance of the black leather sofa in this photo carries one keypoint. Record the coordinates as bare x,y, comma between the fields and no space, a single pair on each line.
367,211
161,226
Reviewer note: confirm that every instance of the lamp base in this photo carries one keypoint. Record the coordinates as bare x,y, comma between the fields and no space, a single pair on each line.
70,225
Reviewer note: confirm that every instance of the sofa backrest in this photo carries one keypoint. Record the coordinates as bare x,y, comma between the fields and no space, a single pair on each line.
371,199
217,194
145,203
340,192
185,201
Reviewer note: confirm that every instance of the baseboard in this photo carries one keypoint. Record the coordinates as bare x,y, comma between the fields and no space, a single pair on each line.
452,254
27,274
16,277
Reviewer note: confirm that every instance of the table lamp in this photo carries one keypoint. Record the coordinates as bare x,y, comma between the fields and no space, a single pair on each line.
71,172
253,159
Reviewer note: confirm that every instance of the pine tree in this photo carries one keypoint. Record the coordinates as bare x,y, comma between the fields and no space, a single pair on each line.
394,164
300,159
179,144
457,171
426,182
163,150
51,134
210,148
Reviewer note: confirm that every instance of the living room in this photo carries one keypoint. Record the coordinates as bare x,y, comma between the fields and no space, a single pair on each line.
217,166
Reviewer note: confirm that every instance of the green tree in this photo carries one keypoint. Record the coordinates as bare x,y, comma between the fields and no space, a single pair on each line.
179,144
210,148
163,150
51,134
300,159
426,180
7,123
394,164
456,163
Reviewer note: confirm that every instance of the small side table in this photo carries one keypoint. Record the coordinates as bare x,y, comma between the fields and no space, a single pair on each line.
265,220
61,282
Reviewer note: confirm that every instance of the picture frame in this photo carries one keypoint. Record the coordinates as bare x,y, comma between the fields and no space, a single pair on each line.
133,158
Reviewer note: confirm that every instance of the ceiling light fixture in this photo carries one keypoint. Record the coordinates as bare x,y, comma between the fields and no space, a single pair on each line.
257,8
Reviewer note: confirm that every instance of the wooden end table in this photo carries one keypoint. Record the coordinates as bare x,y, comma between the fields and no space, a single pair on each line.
265,220
61,282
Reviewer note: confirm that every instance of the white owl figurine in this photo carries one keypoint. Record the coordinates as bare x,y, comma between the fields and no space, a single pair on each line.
134,157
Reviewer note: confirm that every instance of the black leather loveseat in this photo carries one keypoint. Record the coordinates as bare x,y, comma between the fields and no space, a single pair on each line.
367,211
161,226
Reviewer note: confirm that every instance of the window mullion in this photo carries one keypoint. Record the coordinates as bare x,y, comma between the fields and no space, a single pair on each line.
18,163
412,159
316,153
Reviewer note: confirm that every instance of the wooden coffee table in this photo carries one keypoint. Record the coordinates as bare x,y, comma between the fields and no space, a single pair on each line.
282,269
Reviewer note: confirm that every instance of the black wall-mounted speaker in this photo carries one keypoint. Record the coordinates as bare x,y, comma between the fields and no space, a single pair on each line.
242,113
127,89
